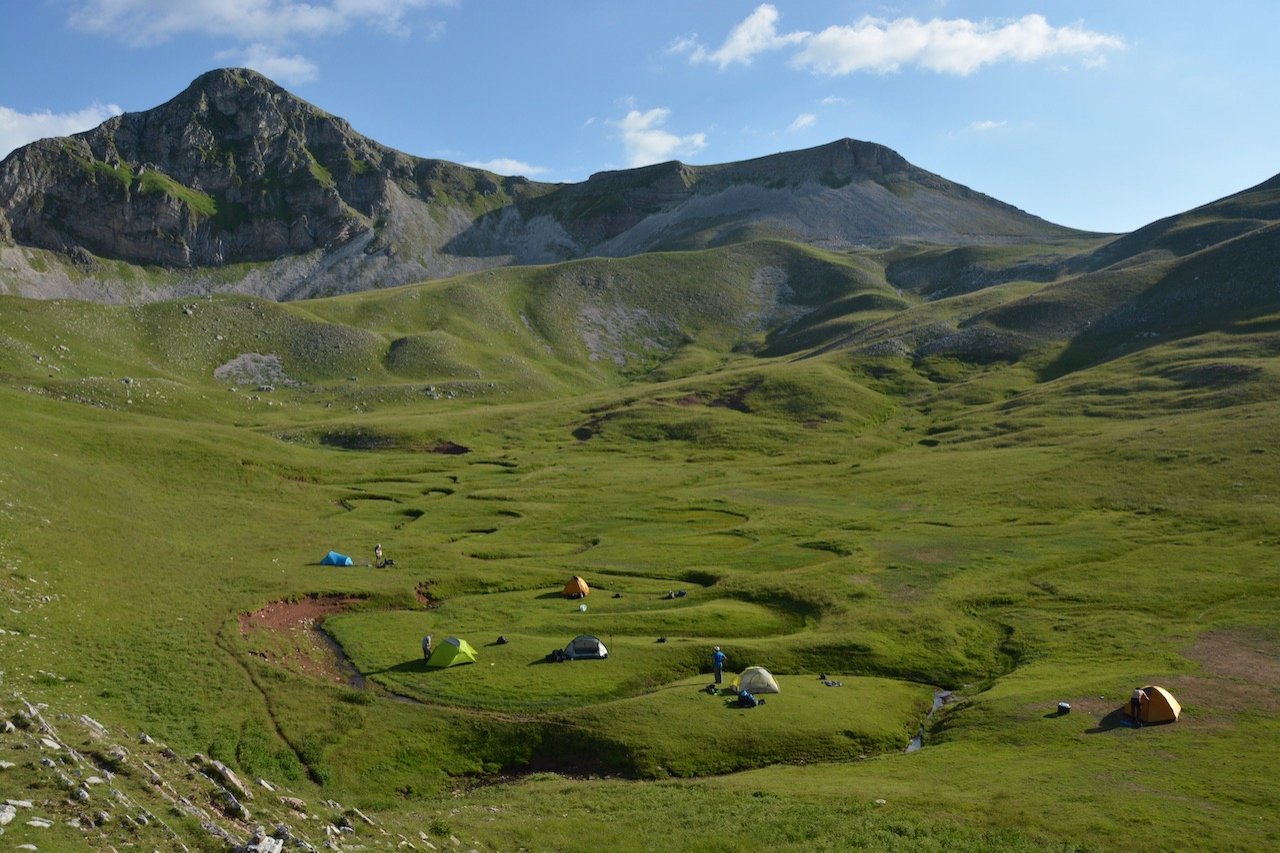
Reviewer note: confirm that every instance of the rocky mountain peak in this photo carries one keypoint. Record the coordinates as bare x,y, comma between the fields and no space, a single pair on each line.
862,155
221,113
240,82
239,102
235,168
232,168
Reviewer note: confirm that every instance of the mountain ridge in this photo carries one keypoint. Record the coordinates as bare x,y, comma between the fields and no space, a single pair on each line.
236,170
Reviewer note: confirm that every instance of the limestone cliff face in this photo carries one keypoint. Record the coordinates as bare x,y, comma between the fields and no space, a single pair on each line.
234,168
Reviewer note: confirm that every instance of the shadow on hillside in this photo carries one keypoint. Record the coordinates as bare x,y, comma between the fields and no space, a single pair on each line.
1115,720
414,665
1215,289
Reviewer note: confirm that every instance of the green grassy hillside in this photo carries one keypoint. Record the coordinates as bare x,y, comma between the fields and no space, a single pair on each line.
837,487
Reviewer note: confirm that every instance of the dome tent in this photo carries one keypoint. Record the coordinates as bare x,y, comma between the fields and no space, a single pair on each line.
755,680
1160,706
576,588
333,558
452,652
585,647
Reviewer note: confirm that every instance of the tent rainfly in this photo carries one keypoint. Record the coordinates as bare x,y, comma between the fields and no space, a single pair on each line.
756,680
576,588
333,558
452,652
1160,707
586,647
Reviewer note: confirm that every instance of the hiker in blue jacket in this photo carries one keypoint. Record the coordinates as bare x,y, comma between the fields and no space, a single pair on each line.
717,663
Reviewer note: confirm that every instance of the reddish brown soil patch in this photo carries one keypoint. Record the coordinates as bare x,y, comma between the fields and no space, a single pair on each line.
305,613
295,640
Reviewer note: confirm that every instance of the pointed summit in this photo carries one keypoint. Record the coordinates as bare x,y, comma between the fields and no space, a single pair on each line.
234,168
230,90
237,78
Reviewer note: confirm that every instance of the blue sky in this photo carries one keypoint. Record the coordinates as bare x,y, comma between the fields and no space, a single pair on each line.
1098,115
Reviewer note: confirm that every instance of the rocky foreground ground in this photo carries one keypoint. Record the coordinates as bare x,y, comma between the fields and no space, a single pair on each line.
68,779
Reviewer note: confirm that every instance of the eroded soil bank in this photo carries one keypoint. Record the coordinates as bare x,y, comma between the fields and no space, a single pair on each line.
297,640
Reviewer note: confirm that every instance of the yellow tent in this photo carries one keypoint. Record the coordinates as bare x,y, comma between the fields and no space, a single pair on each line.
576,588
1159,707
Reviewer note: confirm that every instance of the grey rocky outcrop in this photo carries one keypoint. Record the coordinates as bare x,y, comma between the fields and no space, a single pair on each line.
232,169
236,169
134,803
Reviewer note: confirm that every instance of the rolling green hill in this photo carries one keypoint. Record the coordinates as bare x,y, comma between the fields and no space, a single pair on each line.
937,484
1006,492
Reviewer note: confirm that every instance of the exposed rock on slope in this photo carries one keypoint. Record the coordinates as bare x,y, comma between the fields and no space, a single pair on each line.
236,170
233,169
846,193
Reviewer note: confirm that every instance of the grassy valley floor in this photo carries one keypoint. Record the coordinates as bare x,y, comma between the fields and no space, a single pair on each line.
1015,538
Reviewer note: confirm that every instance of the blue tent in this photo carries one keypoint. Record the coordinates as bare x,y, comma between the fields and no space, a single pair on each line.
333,558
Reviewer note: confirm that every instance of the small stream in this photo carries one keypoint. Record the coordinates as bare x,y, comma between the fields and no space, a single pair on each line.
940,698
345,666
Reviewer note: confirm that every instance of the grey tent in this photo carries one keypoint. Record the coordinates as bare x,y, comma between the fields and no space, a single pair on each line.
586,647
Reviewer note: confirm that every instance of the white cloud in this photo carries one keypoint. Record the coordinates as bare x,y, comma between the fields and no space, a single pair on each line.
507,166
985,125
143,22
290,70
647,142
831,100
17,129
756,34
802,121
684,44
956,46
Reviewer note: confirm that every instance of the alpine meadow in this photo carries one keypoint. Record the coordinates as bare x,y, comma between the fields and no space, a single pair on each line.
960,478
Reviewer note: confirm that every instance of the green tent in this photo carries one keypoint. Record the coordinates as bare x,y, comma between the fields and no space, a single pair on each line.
452,652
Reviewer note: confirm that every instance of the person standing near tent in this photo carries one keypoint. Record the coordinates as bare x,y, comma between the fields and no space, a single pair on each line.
426,647
717,663
378,562
1136,701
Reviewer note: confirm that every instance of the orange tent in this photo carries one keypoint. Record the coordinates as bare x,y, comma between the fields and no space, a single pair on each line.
1159,707
576,588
